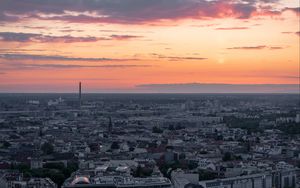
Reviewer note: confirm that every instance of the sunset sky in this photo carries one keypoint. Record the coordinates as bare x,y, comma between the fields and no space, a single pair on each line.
148,45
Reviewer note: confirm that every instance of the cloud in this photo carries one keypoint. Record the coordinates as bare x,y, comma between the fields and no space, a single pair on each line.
35,27
16,56
20,37
290,77
205,25
178,58
123,66
31,37
289,32
260,47
264,75
124,37
2,72
248,47
219,88
85,79
71,30
232,28
24,66
8,18
22,50
130,11
173,58
296,10
276,48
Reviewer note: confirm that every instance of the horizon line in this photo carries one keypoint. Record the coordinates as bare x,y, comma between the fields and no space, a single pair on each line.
275,93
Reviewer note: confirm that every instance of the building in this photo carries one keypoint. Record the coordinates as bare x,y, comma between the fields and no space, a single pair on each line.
36,163
275,179
180,179
117,182
113,173
16,180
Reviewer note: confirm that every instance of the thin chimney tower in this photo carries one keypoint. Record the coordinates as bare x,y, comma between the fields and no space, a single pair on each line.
79,94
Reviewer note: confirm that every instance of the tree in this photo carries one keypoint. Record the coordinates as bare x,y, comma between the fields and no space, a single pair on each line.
227,156
114,146
182,156
72,166
171,127
206,175
248,146
22,167
179,127
41,133
58,165
249,124
142,172
152,145
47,148
55,175
257,140
192,165
138,172
156,129
6,144
131,149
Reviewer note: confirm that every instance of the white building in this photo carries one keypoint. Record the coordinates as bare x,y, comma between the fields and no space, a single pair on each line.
181,179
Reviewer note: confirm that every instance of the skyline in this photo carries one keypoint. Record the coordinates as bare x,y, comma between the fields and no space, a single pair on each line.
179,88
120,46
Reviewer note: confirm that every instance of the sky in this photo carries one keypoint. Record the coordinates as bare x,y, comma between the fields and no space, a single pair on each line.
150,46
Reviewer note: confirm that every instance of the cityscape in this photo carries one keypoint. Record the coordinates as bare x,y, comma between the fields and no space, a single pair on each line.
150,140
149,94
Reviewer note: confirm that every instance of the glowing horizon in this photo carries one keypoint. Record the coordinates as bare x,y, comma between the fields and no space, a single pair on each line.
119,45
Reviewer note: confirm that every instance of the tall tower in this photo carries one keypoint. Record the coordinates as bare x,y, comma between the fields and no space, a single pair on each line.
79,99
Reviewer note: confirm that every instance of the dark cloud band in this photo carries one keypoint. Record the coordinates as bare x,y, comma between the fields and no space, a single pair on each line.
16,56
31,37
131,11
31,66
